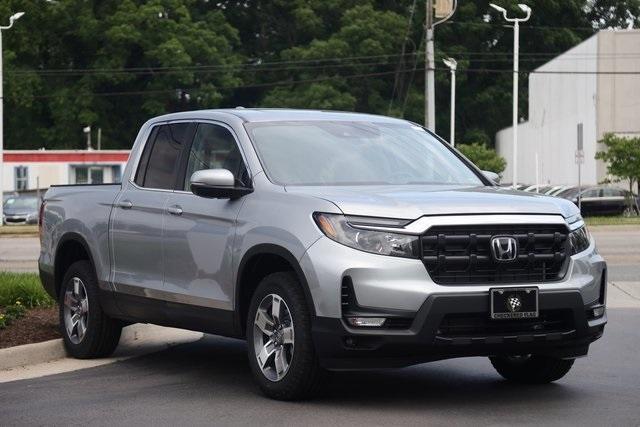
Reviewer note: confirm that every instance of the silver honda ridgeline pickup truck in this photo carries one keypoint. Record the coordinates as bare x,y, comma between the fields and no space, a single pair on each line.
329,241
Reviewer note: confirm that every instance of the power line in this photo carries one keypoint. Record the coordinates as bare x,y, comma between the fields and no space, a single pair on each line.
471,56
335,78
317,61
203,69
532,27
250,86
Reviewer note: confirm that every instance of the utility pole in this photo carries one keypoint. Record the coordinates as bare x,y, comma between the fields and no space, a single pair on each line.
12,19
429,72
443,9
516,48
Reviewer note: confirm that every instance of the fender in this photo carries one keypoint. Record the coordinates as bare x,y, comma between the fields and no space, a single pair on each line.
270,249
77,238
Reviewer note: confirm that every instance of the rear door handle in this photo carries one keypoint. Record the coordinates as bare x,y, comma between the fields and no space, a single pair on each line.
126,204
174,210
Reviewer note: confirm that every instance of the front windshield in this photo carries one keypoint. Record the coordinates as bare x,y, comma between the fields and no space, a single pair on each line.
355,153
22,203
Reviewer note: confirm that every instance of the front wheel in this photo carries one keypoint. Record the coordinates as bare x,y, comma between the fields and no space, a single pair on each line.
531,369
281,352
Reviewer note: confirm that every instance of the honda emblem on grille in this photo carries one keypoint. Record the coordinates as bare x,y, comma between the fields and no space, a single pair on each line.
504,248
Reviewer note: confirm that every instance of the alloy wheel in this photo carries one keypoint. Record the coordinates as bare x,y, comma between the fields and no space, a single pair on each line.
76,310
273,337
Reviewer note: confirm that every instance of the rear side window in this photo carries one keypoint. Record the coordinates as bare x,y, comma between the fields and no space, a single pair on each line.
594,192
159,161
612,192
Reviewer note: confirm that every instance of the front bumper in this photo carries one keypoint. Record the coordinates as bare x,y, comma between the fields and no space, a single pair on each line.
340,346
399,287
18,220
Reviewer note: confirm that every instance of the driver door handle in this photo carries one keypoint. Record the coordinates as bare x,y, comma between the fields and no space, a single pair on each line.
126,204
174,210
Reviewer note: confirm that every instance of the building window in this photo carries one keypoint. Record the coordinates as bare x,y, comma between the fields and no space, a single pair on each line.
116,174
21,178
89,174
97,175
82,175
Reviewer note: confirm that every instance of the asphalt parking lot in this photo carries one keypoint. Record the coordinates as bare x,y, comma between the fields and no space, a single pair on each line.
208,382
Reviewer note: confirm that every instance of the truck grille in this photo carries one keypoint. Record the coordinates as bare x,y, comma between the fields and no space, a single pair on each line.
462,254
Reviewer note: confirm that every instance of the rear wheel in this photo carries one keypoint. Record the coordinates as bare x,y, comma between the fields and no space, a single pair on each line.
281,352
531,369
86,330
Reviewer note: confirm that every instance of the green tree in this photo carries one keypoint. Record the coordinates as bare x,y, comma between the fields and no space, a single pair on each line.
111,64
483,157
622,156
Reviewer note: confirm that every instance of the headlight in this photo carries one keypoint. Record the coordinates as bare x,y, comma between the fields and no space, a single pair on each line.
338,229
579,240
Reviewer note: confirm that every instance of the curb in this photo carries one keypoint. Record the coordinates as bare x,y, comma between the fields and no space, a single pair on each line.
135,339
31,354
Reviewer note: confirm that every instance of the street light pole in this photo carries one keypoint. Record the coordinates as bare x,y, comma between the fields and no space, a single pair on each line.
12,19
453,65
516,49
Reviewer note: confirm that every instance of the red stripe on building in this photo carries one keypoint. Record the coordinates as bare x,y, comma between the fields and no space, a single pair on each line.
76,157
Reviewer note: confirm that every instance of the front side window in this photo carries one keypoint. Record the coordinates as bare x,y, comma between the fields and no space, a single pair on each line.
214,147
356,153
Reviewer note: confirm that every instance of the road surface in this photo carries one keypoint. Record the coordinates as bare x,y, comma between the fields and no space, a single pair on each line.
208,382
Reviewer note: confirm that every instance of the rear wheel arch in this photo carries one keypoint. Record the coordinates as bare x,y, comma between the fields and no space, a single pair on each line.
71,248
257,263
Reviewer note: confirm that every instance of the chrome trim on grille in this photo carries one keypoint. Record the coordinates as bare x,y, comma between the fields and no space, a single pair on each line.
423,224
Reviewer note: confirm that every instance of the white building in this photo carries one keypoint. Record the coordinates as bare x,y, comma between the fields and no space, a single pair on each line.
32,169
601,101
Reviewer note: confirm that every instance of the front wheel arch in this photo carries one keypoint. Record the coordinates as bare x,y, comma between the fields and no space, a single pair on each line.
257,263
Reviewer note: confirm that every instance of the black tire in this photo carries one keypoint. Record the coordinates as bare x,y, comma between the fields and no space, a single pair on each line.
304,376
102,332
531,369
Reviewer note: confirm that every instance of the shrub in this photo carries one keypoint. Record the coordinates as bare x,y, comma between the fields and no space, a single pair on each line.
24,288
483,157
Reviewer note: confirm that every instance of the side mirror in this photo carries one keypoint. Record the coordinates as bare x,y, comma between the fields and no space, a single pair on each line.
216,184
492,176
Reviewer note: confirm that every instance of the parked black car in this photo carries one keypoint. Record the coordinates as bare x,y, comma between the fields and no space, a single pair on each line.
20,210
603,200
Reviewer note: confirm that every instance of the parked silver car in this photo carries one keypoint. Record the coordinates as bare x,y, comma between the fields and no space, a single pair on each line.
20,210
326,240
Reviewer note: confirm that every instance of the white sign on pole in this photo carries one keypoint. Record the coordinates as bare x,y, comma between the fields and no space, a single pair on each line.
443,8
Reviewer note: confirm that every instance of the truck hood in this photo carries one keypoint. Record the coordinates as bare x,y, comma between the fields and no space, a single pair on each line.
414,201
